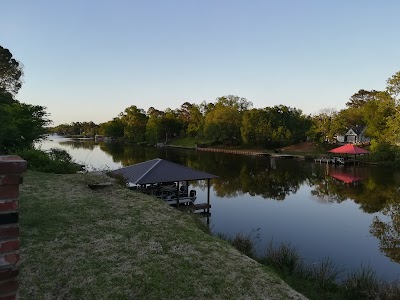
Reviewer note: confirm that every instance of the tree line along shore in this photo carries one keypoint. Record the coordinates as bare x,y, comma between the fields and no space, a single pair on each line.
228,121
231,121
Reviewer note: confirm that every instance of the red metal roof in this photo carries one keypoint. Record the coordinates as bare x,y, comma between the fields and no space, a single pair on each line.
349,149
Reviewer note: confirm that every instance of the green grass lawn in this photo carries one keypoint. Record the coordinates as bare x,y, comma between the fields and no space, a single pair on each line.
78,243
190,142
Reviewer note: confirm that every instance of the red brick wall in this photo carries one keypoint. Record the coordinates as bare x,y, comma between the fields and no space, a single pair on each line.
11,169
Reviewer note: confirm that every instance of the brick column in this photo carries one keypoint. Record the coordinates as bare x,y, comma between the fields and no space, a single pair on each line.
11,169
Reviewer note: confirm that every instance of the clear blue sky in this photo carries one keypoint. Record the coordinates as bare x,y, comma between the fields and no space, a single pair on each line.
90,59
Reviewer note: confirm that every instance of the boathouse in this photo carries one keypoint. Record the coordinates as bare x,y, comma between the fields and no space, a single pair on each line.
159,171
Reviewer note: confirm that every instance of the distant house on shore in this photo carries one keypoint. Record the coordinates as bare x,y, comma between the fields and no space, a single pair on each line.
354,135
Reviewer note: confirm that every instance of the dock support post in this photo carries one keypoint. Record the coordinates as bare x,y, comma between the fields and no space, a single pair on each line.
208,201
177,195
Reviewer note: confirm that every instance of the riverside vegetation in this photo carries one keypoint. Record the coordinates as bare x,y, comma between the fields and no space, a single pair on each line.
318,280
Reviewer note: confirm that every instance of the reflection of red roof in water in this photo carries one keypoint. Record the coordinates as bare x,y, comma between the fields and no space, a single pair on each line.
347,178
349,149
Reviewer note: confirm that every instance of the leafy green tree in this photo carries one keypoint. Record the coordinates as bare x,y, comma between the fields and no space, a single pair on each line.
21,125
382,116
376,113
278,133
61,129
289,124
223,120
362,97
324,126
154,130
89,128
392,132
191,118
135,121
393,86
239,103
77,128
113,128
11,73
260,127
222,124
196,122
348,118
393,121
6,97
206,107
170,124
275,126
255,127
184,115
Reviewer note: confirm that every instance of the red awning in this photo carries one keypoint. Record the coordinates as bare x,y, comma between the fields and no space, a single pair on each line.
349,149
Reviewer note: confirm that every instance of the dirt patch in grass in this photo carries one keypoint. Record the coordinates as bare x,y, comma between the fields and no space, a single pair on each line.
305,147
77,243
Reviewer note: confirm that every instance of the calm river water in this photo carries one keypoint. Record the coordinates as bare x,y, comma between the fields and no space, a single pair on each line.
317,208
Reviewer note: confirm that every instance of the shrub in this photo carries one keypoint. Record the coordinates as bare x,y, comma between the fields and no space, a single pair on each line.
383,151
54,161
243,243
362,284
389,291
284,257
323,273
59,154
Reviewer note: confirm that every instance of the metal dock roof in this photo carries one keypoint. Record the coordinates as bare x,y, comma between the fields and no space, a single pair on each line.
160,170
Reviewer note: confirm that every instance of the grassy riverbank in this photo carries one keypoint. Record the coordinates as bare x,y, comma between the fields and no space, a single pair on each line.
77,243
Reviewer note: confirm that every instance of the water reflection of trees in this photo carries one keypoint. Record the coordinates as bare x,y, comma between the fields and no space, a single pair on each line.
388,233
256,176
376,189
264,176
328,189
77,144
128,154
238,174
275,183
377,192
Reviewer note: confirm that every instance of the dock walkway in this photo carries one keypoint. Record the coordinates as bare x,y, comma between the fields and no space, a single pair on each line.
324,160
243,152
334,160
